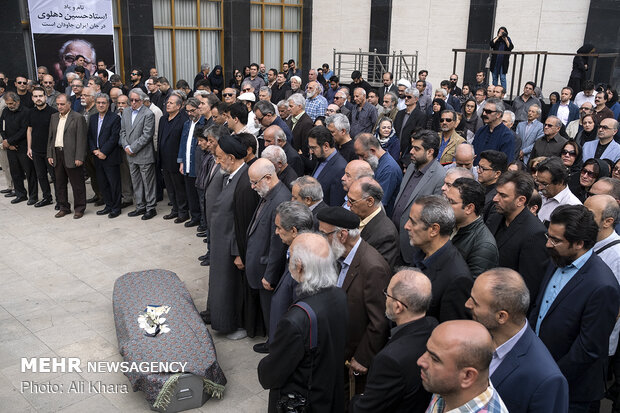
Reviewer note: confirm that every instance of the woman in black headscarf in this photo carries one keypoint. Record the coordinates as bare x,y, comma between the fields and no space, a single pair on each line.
580,66
433,122
592,170
588,130
217,80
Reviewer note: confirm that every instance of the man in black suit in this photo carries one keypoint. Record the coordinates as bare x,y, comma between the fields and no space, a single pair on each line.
290,367
103,135
520,236
330,167
430,224
266,253
364,199
301,123
522,370
408,120
388,86
491,166
277,157
308,191
394,383
577,305
274,135
168,141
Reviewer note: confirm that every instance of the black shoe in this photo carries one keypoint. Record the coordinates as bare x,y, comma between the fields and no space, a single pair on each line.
10,194
205,263
262,348
192,223
99,202
136,212
206,240
149,214
18,200
32,201
114,214
206,317
57,207
201,234
6,191
201,228
169,203
91,200
181,219
204,257
170,215
126,204
43,203
104,211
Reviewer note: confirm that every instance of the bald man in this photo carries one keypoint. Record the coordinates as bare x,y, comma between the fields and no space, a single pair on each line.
394,383
455,368
464,158
266,253
354,170
452,175
522,370
289,368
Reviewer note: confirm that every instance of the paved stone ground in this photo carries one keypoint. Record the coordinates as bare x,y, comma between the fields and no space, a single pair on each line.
56,281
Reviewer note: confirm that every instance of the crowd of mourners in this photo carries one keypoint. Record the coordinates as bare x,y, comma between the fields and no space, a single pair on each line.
403,248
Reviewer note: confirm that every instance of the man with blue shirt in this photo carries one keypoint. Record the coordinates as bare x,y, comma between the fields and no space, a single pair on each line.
494,134
316,104
577,305
387,172
521,370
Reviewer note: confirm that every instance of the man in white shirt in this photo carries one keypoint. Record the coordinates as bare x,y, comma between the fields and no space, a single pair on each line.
551,181
587,95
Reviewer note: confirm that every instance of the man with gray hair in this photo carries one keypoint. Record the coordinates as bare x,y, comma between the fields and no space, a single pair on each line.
464,156
508,119
202,75
522,370
494,134
339,126
523,102
308,191
136,138
289,369
394,383
430,224
364,274
300,123
408,120
552,142
277,157
354,170
390,102
364,117
274,135
340,99
266,116
530,131
316,104
452,175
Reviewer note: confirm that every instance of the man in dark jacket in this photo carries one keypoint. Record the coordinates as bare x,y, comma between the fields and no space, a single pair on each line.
394,383
430,224
473,239
297,358
408,120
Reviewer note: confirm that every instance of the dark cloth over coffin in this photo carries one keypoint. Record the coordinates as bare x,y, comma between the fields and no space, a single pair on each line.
188,340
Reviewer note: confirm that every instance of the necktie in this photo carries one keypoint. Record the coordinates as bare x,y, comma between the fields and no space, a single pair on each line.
226,180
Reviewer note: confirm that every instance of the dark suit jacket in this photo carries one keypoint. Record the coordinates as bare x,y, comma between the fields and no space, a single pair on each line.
321,205
577,326
168,141
394,383
381,233
293,159
245,202
287,176
452,282
417,119
108,137
74,138
528,380
367,331
301,132
522,247
381,91
266,253
573,111
329,178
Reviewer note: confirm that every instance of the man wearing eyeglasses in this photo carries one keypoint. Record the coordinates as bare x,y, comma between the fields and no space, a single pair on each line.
364,117
407,120
135,77
604,147
21,87
494,134
449,138
577,305
530,132
551,179
552,142
394,382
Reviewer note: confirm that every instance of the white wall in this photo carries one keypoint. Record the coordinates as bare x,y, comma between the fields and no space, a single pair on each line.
433,28
343,25
549,25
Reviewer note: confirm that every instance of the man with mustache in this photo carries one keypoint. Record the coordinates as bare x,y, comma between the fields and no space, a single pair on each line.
577,305
494,134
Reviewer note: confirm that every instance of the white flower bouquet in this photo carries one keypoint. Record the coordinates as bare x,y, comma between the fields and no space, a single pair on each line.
151,320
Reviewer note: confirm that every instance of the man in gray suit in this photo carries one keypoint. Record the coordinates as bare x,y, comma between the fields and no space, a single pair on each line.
137,125
424,176
66,151
265,257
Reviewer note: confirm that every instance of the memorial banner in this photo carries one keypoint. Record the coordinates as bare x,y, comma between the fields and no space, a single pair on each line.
62,30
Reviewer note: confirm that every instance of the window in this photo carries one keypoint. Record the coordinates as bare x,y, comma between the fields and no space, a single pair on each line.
187,34
275,32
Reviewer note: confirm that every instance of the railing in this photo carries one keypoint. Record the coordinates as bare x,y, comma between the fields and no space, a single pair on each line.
483,53
372,65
